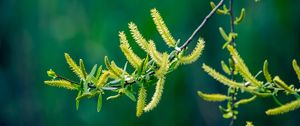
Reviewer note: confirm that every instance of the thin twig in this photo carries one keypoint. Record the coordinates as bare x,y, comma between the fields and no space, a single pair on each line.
233,44
188,41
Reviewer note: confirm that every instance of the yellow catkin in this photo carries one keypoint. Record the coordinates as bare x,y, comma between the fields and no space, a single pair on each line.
164,67
226,81
156,96
117,70
138,37
162,28
141,101
241,66
102,79
239,19
282,84
154,54
244,101
249,124
62,83
296,69
212,97
133,59
266,72
284,108
195,54
75,68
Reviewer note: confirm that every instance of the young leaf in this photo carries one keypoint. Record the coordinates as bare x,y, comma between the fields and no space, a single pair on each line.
99,102
78,101
51,74
296,69
138,37
195,54
141,101
282,85
75,68
162,28
98,72
266,72
63,84
212,97
130,95
285,108
156,96
133,59
82,67
225,68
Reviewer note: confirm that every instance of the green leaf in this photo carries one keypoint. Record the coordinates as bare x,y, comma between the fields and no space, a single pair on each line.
51,74
99,102
78,101
130,95
225,68
82,68
98,72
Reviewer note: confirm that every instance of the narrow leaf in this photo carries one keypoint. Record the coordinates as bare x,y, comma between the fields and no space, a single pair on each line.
99,102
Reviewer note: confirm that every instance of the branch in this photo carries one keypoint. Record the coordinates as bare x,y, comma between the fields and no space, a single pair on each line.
188,41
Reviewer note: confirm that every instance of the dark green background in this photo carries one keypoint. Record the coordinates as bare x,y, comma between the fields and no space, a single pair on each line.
34,34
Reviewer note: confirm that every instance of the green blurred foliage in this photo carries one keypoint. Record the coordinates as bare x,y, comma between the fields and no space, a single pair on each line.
34,34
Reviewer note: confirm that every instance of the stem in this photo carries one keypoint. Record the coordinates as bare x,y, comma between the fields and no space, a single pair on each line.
233,44
188,41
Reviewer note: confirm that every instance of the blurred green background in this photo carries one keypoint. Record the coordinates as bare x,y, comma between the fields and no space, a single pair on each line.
34,34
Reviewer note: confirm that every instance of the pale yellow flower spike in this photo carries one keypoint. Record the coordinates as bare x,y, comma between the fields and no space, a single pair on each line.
284,108
195,54
164,67
280,83
102,79
154,54
133,59
212,97
156,96
226,81
75,68
62,83
249,124
138,37
241,66
296,68
162,28
141,101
